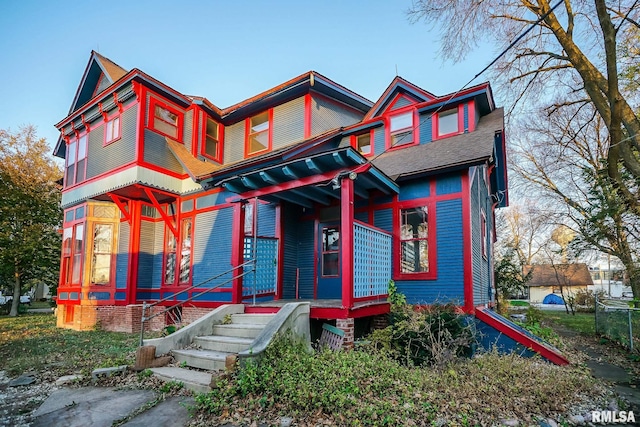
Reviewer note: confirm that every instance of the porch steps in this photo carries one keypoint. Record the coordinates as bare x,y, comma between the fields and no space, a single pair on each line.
210,352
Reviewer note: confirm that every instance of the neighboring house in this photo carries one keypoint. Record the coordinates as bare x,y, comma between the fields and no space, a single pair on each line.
334,195
557,279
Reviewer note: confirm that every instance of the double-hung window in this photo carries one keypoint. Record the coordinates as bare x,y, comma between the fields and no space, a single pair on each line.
76,159
448,122
165,119
363,143
416,253
401,129
258,134
177,254
112,130
212,146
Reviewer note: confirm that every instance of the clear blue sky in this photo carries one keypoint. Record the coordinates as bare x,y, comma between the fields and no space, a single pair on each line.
225,51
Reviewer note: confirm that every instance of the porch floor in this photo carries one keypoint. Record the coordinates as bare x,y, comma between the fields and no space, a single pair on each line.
325,308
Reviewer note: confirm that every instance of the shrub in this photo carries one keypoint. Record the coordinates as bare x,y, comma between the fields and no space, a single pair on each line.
433,335
586,299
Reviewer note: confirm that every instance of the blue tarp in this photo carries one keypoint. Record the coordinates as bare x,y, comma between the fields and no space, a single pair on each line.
552,299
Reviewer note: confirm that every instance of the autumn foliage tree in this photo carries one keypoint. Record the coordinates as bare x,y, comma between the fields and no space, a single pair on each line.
30,213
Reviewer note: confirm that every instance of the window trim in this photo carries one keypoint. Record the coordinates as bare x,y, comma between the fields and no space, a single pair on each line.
220,140
107,141
155,102
459,110
76,140
354,142
415,140
483,233
248,133
111,254
432,274
178,252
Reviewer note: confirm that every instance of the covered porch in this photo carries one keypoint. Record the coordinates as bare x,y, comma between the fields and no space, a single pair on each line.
321,253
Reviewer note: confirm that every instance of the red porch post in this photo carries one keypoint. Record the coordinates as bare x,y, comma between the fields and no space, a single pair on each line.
346,237
134,251
237,250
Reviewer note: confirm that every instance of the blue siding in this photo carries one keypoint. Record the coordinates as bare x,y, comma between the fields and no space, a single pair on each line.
426,133
449,285
122,258
414,189
147,254
306,261
481,266
449,185
466,118
211,200
401,102
212,247
266,220
290,213
362,216
120,296
378,140
383,219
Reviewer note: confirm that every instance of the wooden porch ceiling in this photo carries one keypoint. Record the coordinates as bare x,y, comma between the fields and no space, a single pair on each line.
312,179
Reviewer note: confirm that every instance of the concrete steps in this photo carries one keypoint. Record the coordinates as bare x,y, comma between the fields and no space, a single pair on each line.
210,352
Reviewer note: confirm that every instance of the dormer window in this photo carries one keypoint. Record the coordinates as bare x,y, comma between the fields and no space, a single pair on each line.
448,122
363,143
165,119
258,137
401,129
212,146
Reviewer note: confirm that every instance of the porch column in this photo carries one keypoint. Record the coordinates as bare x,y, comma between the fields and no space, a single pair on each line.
237,250
134,251
346,239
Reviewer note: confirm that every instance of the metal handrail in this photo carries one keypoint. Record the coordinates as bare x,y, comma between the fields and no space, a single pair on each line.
146,306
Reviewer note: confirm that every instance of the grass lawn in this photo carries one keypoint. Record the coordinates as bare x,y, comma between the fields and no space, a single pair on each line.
31,342
583,323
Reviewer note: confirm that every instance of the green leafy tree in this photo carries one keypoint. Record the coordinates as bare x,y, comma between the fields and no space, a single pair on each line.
509,277
30,214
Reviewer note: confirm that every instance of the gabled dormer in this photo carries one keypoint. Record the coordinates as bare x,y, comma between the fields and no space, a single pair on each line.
100,73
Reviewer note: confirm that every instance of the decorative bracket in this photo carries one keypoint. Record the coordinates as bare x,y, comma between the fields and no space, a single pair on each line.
104,113
122,205
85,123
167,220
118,103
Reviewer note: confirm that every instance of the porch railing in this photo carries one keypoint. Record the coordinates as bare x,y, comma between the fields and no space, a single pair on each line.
371,261
265,278
238,271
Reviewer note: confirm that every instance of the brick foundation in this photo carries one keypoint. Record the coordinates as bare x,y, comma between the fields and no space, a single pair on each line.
348,326
380,321
118,318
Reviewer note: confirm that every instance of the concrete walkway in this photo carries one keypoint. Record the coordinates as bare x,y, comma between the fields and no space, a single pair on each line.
102,406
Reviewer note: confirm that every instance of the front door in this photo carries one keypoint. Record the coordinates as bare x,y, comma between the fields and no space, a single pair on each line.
329,262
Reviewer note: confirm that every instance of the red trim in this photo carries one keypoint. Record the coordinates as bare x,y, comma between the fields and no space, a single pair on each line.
545,351
316,257
436,123
157,101
354,142
247,134
106,124
141,96
346,240
397,98
124,208
414,127
134,251
237,248
307,116
467,244
279,233
167,220
219,148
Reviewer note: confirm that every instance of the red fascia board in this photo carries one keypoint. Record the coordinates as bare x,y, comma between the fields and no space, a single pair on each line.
452,98
396,83
523,339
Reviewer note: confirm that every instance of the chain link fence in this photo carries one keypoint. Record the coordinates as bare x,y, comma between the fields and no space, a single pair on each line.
618,322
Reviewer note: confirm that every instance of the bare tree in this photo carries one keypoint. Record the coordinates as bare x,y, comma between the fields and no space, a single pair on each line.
573,49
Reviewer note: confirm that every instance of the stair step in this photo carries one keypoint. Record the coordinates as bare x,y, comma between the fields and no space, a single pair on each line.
256,319
203,359
222,343
238,330
192,380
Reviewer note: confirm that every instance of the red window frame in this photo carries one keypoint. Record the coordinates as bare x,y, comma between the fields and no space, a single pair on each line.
111,255
459,110
219,141
483,227
178,247
73,255
115,125
355,139
153,103
431,274
412,128
248,134
73,146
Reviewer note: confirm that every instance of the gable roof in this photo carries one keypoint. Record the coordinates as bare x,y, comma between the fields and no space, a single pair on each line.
559,275
98,68
449,153
402,86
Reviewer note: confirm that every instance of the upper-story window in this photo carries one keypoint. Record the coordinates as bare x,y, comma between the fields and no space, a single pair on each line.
363,143
259,133
401,129
212,146
76,161
112,130
448,122
165,119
